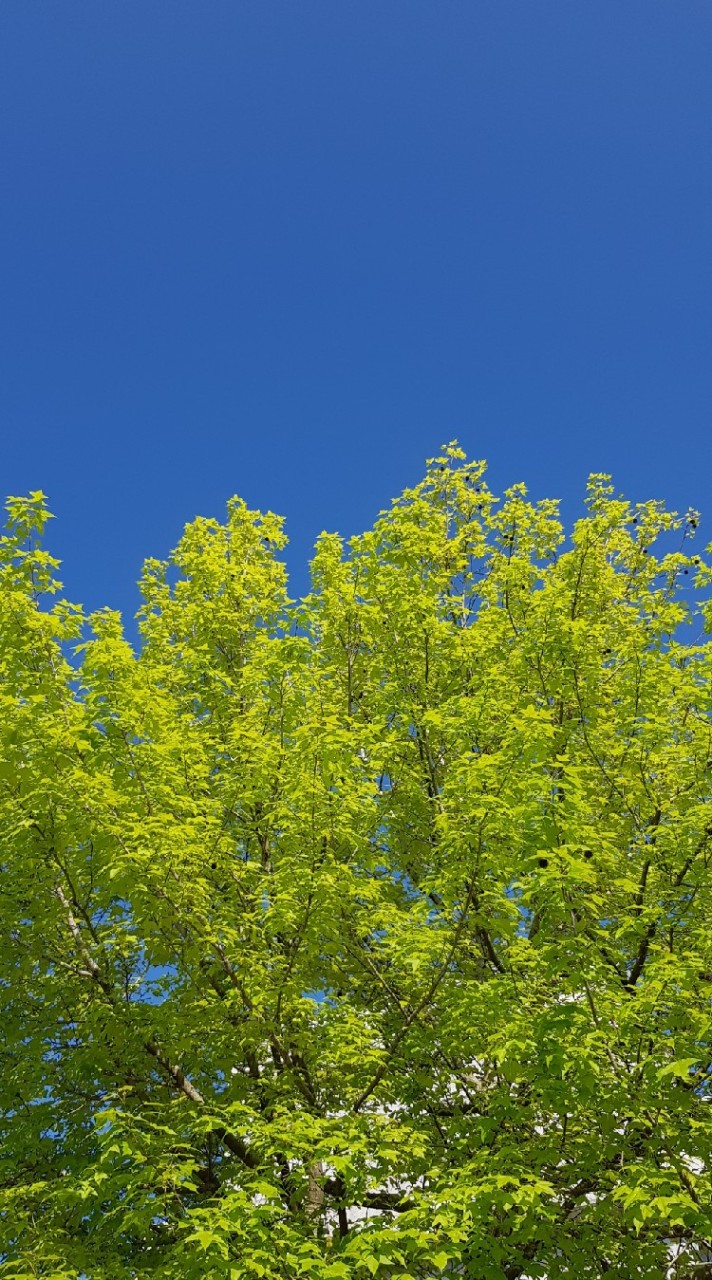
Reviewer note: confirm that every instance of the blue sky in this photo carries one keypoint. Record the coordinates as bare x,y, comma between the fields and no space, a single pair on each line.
285,249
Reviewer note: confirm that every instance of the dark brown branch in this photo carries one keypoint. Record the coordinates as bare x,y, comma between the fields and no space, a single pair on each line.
488,949
650,932
392,1200
419,1007
642,955
172,1069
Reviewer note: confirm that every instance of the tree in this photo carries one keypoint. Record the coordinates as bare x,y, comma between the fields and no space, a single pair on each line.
366,935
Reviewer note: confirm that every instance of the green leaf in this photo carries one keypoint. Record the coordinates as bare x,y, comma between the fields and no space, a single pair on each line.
680,1068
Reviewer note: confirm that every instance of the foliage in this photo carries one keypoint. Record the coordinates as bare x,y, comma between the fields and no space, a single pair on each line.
366,935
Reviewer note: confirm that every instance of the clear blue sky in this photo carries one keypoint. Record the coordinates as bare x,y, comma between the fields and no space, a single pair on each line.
285,249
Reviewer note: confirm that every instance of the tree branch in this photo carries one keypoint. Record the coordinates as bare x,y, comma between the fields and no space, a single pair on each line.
419,1007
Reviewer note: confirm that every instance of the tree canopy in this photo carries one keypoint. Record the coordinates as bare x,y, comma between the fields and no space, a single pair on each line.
366,934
